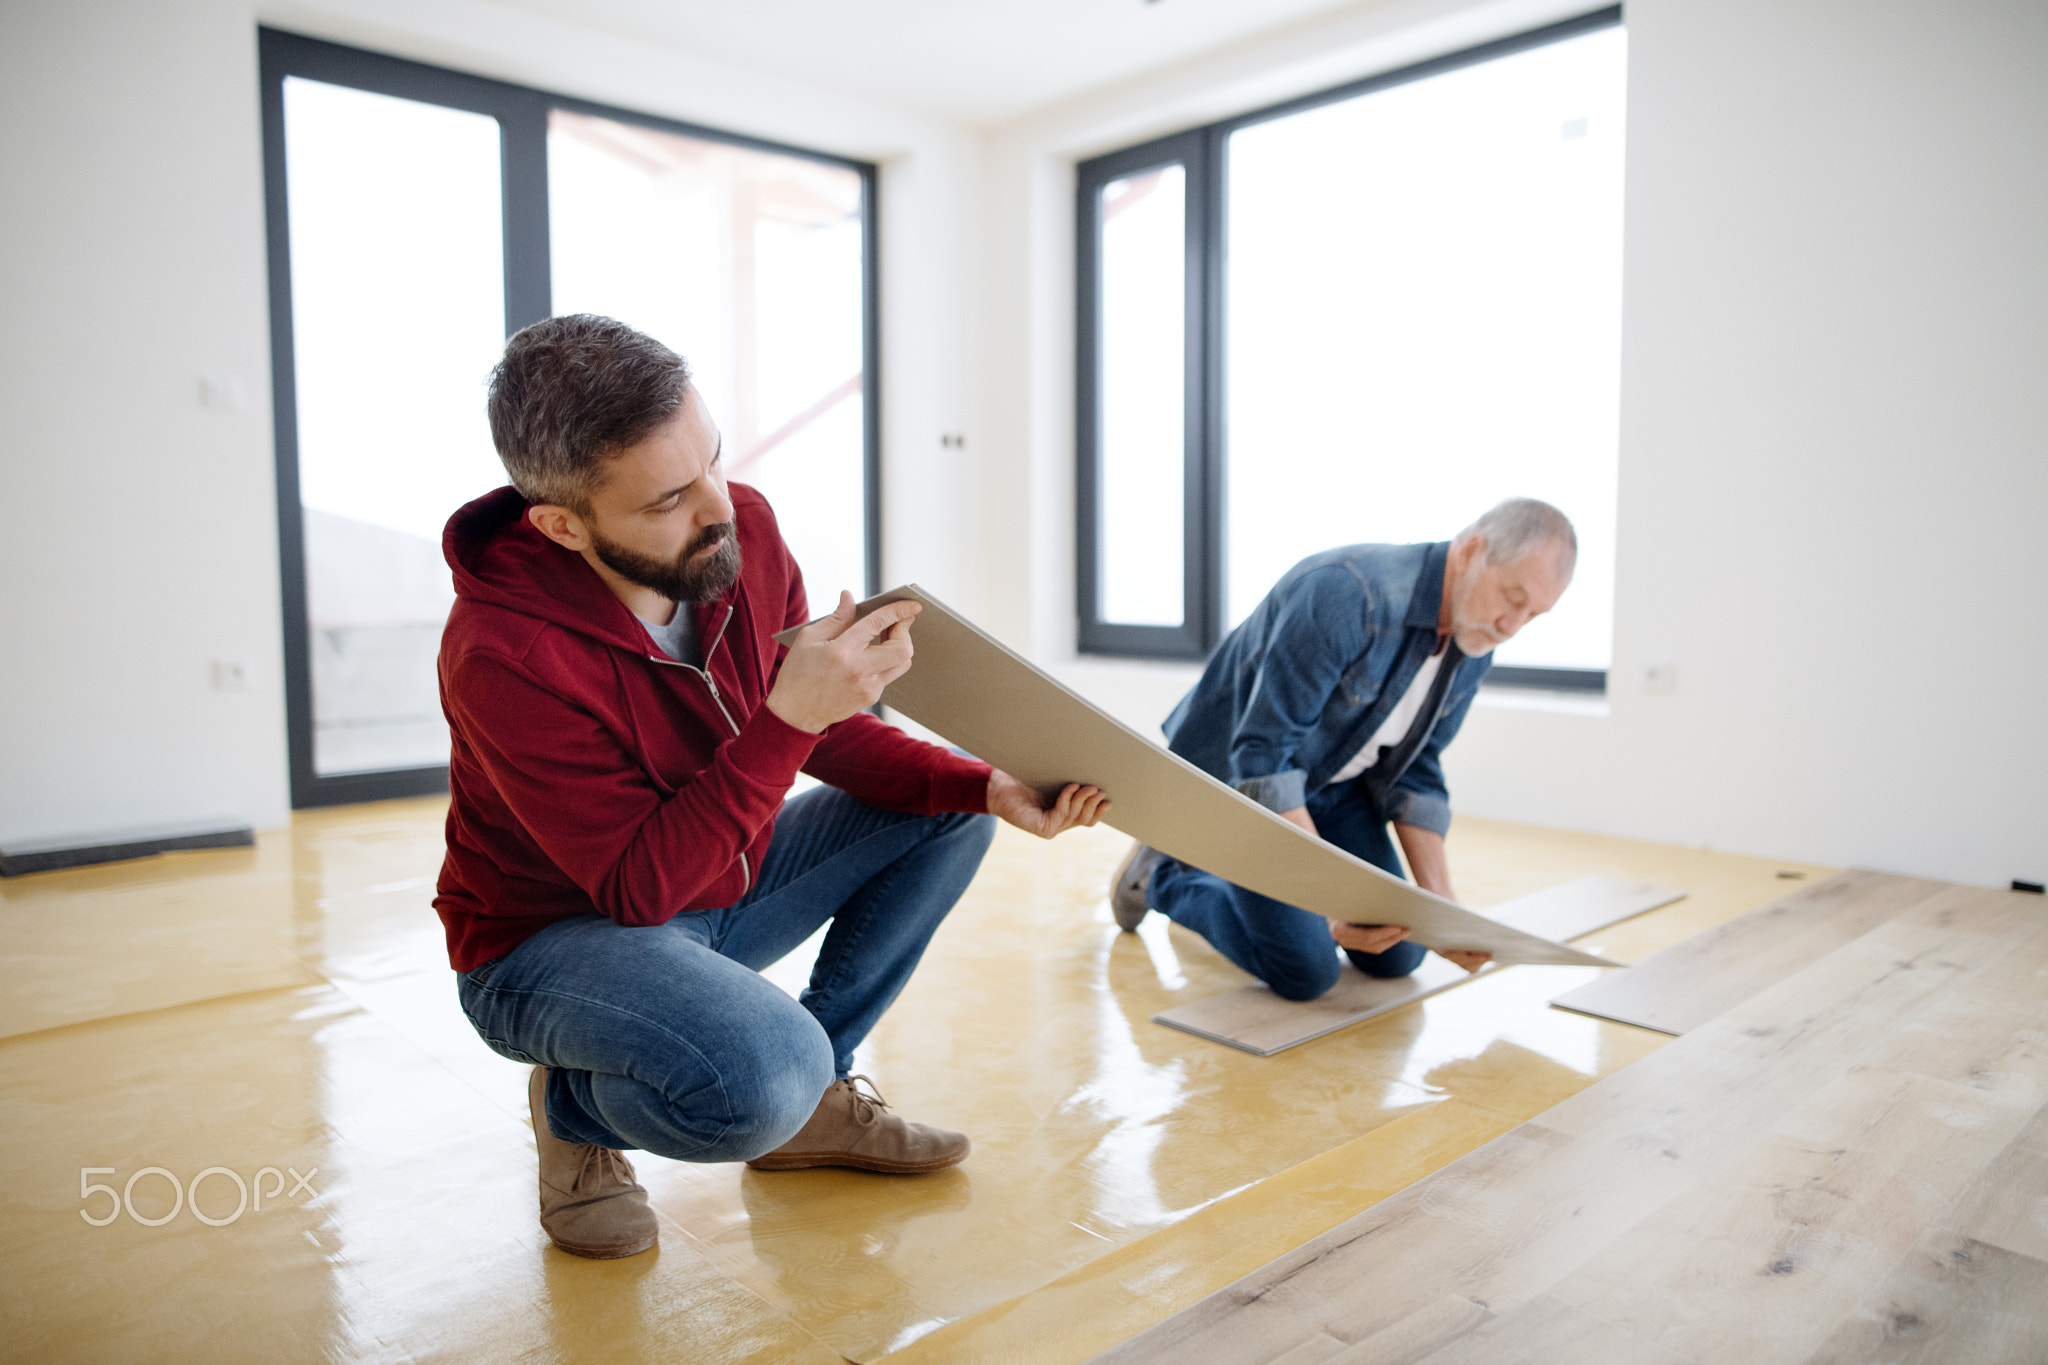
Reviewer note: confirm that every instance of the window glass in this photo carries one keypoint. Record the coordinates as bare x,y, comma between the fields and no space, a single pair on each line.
1142,274
1424,295
749,265
398,314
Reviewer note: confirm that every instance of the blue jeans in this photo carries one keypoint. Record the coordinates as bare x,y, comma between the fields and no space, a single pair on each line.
668,1039
1287,948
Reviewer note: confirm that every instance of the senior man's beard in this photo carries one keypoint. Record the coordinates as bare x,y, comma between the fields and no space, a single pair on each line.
1474,638
691,576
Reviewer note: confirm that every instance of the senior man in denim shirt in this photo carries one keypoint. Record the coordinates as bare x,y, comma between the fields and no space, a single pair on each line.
1331,705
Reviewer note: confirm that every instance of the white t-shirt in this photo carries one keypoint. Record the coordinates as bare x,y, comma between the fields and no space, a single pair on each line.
1395,727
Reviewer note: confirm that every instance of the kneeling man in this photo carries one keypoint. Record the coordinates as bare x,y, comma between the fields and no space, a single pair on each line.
1331,705
621,861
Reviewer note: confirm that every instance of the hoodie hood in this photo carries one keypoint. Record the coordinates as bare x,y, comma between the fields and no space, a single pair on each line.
500,560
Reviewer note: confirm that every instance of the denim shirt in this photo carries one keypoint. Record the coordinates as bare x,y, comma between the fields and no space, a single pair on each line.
1295,691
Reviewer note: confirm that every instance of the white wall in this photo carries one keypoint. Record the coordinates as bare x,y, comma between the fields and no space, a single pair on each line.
1834,447
143,542
142,536
1834,460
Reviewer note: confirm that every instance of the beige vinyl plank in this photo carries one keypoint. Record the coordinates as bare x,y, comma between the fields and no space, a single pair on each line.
1814,1176
1253,1019
1541,1330
976,693
2008,1206
1951,1299
1692,982
1760,1261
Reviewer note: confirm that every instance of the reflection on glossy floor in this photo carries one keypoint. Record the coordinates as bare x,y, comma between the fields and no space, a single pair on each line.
283,1019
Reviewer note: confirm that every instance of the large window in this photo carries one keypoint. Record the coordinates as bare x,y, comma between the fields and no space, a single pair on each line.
1365,316
418,217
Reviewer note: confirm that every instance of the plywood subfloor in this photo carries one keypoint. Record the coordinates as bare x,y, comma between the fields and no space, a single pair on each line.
1835,1170
290,1006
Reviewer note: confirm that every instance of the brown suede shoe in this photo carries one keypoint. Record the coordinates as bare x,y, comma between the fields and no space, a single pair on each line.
852,1128
590,1205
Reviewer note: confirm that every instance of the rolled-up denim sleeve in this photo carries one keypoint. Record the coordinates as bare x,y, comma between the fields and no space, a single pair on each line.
1420,798
1278,791
1317,632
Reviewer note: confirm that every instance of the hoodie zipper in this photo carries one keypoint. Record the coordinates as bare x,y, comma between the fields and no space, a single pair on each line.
746,873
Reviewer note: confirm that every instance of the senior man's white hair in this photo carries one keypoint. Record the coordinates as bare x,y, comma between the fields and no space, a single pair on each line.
1519,525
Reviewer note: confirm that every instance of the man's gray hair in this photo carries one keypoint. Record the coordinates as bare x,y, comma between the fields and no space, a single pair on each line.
1521,525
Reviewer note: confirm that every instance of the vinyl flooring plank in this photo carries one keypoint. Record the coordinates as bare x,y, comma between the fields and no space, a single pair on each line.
2008,1205
1541,1330
1925,993
1735,1195
1694,981
1954,1299
1253,1019
1511,1220
1761,1261
979,694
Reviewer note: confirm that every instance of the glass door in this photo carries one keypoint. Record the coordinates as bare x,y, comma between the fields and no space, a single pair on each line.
398,294
419,216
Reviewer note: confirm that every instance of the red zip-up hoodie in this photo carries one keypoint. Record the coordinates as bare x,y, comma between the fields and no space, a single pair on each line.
591,774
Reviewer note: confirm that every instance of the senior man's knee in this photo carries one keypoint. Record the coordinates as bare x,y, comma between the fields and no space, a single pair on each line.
1302,976
1398,961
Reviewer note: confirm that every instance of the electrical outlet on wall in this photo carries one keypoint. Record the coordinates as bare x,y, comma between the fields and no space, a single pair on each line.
230,675
221,393
1659,675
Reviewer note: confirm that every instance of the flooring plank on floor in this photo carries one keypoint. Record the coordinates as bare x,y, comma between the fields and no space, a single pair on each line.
1689,983
1253,1019
1792,1182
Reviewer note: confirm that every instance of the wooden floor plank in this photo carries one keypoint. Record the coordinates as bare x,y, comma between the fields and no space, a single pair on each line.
1763,1261
2008,1206
1694,981
1953,1300
1253,1019
976,692
1750,1193
1541,1330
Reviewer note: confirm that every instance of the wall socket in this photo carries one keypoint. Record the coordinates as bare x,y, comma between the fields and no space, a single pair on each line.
1659,675
230,675
221,393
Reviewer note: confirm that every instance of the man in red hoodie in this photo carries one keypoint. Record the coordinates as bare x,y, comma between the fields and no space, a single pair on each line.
621,858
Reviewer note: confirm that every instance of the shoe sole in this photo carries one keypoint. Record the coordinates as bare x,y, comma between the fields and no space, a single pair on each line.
804,1161
1118,889
605,1253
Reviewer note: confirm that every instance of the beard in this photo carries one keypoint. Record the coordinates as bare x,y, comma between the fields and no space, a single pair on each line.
1474,640
690,577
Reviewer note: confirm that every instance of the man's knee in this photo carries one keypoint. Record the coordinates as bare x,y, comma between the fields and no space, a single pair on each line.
972,833
1400,960
768,1101
1303,976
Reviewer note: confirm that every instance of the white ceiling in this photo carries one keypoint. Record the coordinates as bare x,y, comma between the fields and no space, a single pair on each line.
976,61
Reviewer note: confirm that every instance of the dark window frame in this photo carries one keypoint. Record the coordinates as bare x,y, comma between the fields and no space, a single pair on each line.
522,114
1204,151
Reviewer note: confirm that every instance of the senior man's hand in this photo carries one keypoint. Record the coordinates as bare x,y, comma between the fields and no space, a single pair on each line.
1377,938
1076,807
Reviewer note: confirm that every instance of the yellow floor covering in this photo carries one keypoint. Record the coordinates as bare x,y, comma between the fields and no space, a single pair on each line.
288,1008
